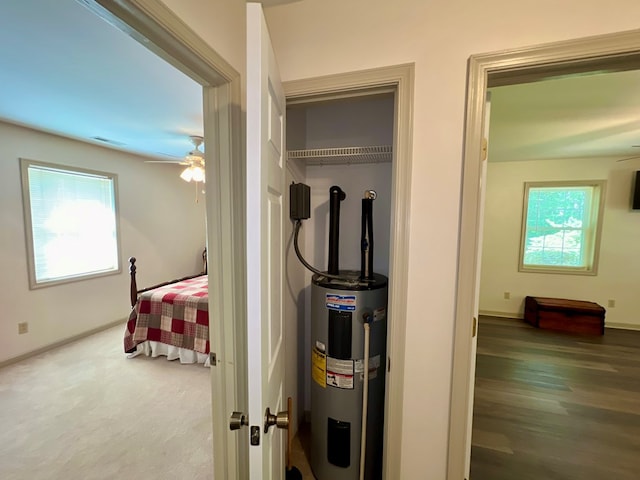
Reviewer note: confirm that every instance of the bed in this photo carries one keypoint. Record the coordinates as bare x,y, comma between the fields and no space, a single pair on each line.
170,319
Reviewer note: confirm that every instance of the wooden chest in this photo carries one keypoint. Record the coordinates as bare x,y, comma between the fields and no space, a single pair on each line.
576,316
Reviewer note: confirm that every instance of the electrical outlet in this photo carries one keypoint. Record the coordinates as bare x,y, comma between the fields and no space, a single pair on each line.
507,295
23,327
611,303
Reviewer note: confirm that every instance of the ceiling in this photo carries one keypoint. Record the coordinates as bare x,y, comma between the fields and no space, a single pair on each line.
589,115
66,71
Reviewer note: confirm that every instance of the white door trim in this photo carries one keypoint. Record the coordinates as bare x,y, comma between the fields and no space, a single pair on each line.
399,78
507,67
170,38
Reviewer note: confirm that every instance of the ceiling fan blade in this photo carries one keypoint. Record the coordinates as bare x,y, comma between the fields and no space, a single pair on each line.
628,158
193,158
173,162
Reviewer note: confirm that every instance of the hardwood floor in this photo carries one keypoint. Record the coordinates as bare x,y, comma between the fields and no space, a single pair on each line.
300,452
554,405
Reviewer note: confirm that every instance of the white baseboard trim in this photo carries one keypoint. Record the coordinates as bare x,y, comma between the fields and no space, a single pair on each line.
621,326
80,336
491,313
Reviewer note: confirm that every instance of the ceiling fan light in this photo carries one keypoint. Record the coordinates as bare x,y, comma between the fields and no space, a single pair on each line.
197,174
187,174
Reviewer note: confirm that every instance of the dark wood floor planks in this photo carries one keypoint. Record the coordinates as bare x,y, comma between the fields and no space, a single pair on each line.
552,405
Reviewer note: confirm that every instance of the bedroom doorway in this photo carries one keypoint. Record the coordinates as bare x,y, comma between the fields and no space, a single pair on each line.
609,53
496,363
156,27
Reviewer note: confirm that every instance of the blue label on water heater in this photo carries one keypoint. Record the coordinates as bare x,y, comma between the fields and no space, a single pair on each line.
341,302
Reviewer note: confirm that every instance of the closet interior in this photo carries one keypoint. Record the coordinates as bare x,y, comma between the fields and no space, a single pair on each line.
345,141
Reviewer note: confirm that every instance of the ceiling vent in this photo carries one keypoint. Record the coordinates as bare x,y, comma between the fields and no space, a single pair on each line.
106,140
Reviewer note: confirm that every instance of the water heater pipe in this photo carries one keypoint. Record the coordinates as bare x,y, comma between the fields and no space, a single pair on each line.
366,240
306,264
368,318
336,195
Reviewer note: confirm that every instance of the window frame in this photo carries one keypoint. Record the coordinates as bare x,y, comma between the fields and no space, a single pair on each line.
596,213
25,164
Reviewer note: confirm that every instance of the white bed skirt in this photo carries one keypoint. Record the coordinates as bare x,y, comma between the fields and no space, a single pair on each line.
157,349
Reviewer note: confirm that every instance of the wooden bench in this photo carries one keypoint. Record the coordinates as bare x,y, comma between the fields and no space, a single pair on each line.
576,316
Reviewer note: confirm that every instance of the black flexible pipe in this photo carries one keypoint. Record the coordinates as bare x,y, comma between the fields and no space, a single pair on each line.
306,264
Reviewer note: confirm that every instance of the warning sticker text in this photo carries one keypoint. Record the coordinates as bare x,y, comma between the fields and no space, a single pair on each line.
319,367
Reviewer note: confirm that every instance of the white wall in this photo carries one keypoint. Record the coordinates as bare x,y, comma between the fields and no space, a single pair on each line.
619,267
220,23
297,333
314,38
160,224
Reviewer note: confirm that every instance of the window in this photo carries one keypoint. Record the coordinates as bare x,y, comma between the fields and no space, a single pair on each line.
71,223
561,227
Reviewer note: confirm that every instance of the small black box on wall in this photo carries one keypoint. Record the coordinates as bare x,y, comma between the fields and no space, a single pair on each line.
299,201
636,193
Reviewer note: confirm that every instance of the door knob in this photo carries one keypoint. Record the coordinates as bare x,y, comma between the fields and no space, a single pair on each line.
238,420
280,420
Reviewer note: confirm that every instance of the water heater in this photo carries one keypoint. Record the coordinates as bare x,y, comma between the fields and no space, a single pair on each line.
348,364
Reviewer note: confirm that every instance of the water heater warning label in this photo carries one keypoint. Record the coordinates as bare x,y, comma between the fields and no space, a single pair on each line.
319,367
374,365
340,373
379,314
340,302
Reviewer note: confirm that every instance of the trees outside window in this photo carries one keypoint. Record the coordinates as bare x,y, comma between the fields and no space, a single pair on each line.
561,227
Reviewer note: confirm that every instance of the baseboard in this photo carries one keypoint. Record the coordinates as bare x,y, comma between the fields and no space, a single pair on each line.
60,343
491,313
621,326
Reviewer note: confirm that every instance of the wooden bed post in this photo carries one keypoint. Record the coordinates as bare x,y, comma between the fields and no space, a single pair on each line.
134,286
204,261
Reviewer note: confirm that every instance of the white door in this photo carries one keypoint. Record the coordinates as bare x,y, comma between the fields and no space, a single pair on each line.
265,248
476,300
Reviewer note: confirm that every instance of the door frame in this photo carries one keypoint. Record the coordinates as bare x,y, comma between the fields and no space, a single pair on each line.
158,28
400,79
610,52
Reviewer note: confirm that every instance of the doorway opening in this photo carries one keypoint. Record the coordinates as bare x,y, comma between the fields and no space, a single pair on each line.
156,27
575,156
616,52
377,104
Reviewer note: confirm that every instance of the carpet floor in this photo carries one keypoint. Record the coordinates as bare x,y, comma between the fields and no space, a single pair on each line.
85,411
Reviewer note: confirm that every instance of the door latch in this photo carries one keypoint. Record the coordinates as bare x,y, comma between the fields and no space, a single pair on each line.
255,435
238,420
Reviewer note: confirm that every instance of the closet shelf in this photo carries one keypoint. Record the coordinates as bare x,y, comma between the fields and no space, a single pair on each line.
343,155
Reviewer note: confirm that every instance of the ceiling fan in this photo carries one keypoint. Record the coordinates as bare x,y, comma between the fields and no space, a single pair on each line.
633,157
193,160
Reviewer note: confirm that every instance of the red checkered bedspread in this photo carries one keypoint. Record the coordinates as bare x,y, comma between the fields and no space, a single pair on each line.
176,314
